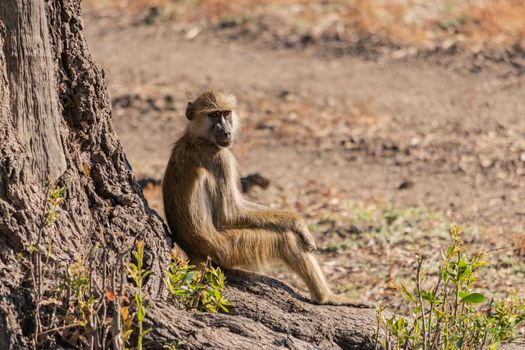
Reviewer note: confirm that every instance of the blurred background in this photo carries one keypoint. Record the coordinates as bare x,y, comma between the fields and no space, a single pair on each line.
382,122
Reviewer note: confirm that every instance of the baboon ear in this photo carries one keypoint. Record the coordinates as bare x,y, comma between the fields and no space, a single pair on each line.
189,110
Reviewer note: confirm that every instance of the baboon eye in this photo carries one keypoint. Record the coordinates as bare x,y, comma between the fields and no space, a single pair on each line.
218,114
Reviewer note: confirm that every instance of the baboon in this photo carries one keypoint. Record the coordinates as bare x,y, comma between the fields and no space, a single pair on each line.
207,214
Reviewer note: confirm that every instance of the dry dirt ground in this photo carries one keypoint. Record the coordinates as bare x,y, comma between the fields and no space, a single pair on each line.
379,155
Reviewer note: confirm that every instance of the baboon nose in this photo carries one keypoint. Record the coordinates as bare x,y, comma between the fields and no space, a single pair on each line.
227,134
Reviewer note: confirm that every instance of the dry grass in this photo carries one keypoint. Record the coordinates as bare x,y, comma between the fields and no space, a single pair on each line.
470,24
497,22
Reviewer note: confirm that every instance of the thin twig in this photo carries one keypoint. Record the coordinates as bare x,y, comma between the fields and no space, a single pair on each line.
36,270
497,249
379,312
55,283
61,328
486,328
91,337
104,305
418,277
437,334
434,291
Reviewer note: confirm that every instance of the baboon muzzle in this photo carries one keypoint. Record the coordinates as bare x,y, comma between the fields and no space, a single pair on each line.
223,134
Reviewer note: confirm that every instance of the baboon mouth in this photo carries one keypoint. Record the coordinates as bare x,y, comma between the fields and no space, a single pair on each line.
225,143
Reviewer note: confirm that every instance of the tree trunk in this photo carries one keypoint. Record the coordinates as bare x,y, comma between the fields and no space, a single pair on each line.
55,128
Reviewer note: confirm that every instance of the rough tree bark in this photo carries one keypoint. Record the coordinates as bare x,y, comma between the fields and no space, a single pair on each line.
55,125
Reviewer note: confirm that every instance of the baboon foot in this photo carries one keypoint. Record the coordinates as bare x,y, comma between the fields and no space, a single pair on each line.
339,300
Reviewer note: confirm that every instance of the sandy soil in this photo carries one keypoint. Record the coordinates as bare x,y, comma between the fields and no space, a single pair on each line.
335,134
483,113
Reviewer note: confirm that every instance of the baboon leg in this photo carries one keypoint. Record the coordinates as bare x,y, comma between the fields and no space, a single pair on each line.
252,248
249,248
306,266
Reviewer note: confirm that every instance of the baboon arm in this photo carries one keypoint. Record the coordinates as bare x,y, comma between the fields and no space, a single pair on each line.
251,205
267,219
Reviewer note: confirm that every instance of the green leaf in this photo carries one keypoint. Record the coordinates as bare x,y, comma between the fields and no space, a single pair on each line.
140,313
450,251
494,346
60,192
406,293
190,276
428,296
32,249
400,323
473,298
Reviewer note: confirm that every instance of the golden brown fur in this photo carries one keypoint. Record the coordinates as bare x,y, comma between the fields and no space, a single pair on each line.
209,218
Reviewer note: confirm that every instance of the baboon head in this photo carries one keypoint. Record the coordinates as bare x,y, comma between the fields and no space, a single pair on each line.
212,117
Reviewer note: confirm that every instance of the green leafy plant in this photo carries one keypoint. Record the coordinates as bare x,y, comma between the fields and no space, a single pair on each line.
450,314
196,290
81,303
138,274
55,197
91,309
84,303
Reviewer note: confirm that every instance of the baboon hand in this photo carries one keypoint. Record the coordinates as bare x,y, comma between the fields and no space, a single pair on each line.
301,229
